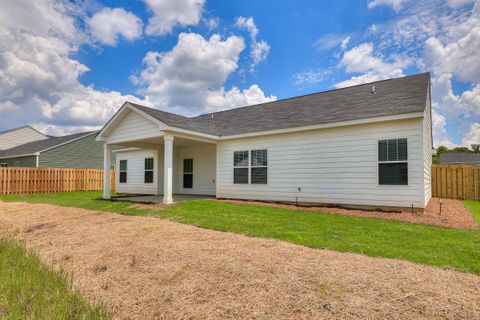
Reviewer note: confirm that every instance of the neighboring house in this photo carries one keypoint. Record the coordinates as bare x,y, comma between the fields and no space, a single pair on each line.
78,150
460,158
366,145
18,136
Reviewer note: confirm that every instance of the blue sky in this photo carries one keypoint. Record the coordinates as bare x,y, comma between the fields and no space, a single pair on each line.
68,66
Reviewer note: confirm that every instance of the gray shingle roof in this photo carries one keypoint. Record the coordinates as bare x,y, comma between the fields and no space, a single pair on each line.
392,97
40,145
454,157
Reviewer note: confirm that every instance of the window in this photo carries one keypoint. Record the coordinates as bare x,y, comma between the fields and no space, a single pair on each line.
188,173
392,162
148,178
3,165
240,167
259,167
254,171
16,163
123,171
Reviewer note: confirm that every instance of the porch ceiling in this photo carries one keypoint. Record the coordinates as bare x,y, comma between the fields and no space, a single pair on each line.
158,143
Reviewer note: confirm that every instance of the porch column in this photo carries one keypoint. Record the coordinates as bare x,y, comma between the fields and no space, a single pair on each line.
107,151
168,170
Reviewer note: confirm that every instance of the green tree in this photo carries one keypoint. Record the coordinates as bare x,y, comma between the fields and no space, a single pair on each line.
461,149
476,147
442,149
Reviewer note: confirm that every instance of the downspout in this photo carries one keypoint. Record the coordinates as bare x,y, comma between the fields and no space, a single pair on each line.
37,160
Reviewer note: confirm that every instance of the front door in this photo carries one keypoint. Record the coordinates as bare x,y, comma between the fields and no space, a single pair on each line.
187,173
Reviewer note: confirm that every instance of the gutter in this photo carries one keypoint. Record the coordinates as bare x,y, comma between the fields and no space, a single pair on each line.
19,156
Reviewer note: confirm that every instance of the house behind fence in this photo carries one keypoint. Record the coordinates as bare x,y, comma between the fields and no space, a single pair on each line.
460,158
79,150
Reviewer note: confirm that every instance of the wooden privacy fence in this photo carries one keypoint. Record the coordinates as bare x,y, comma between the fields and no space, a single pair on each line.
456,182
46,180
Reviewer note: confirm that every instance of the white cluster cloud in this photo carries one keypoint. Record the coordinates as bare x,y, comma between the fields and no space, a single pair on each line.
190,78
455,54
168,14
473,135
221,99
39,74
38,77
259,49
441,37
361,59
395,4
108,24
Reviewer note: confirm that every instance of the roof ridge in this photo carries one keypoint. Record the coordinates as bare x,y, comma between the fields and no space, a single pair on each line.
23,127
158,110
314,93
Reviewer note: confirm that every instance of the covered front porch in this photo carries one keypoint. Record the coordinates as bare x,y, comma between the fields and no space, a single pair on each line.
170,168
156,160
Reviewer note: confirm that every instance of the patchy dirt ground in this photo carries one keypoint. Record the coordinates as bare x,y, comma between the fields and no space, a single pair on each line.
453,214
148,268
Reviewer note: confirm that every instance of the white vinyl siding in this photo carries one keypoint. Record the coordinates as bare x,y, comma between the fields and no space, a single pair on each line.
427,152
133,126
18,137
204,165
136,172
336,165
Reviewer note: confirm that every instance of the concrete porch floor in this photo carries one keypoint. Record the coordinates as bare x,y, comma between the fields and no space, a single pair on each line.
159,198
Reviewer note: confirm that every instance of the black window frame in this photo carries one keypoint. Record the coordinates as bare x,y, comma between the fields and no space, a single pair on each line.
392,160
188,173
122,172
149,167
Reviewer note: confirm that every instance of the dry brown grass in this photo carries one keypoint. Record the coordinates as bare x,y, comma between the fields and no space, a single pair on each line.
147,268
453,213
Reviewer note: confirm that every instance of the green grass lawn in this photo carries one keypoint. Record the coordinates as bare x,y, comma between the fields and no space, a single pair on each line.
474,207
30,290
443,247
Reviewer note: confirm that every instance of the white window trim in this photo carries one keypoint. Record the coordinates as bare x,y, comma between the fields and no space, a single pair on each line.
183,163
148,170
398,161
249,167
184,173
241,167
120,170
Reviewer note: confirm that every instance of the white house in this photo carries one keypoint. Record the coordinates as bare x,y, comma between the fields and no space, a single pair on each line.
18,136
366,145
